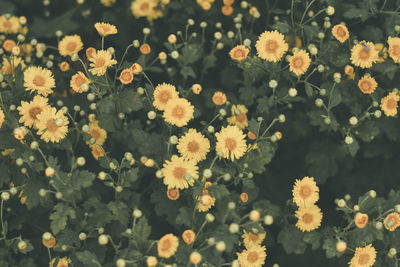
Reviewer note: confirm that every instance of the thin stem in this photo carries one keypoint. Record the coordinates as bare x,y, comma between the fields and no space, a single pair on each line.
3,229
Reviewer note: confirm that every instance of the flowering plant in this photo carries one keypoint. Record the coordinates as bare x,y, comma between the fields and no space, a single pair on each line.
189,133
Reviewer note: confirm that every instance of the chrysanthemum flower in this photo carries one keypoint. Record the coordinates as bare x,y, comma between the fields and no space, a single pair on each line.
90,51
173,193
252,257
167,246
1,117
146,8
145,49
136,68
179,173
64,66
361,220
219,98
194,146
389,104
271,46
9,25
162,94
101,60
205,201
77,80
107,3
244,197
126,76
97,151
394,48
363,257
305,192
52,125
239,117
231,142
30,110
105,29
364,54
178,112
62,262
96,132
309,218
392,221
9,66
299,62
340,32
8,45
39,79
239,53
69,45
188,236
254,238
367,84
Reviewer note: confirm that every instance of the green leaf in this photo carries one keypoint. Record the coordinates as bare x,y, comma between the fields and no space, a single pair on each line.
120,211
88,258
330,248
292,240
354,13
60,216
187,71
184,217
335,98
82,179
142,228
130,176
130,101
309,90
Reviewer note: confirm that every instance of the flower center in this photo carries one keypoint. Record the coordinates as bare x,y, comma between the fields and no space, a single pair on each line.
193,147
239,53
178,112
179,172
230,143
173,193
340,32
144,6
165,245
361,220
363,259
298,62
241,117
51,126
105,28
307,218
71,46
164,97
7,24
33,112
365,86
95,133
126,76
391,104
271,46
99,62
38,80
253,237
252,257
364,54
396,50
305,191
79,81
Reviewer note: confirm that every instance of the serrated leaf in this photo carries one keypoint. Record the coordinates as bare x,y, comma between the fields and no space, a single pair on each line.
292,240
60,216
120,211
88,258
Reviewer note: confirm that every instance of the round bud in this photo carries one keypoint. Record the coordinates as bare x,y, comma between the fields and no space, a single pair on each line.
159,174
227,177
195,257
42,192
85,128
5,196
103,240
82,236
282,118
47,236
231,205
348,140
173,139
151,261
254,215
207,173
121,116
327,120
140,90
59,195
341,203
378,225
19,162
378,113
90,96
80,161
210,218
75,57
341,246
392,252
137,213
119,189
175,54
397,208
372,193
151,115
121,262
273,83
330,10
211,241
85,87
49,172
112,166
22,245
222,112
319,102
268,220
356,208
210,129
353,120
220,246
292,92
128,156
13,190
233,228
102,175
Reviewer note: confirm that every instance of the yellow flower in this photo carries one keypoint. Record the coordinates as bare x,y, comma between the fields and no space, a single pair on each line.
97,151
252,239
309,218
392,221
96,132
394,48
105,29
252,257
146,8
126,76
100,61
239,53
107,3
167,246
52,125
77,80
62,262
271,46
364,54
361,220
39,79
9,25
9,66
389,104
231,142
299,62
193,146
8,45
69,45
219,98
305,192
363,257
188,236
239,117
1,117
30,111
205,201
340,32
367,84
173,193
179,173
162,94
178,112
